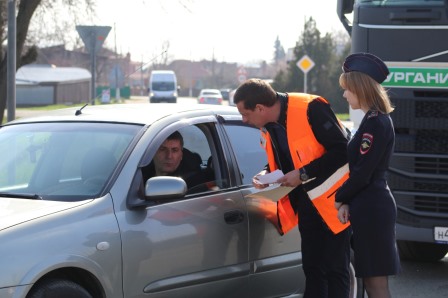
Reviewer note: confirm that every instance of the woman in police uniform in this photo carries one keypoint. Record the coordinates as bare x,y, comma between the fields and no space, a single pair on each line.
365,197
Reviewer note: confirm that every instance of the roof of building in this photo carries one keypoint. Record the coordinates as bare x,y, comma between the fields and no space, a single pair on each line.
46,73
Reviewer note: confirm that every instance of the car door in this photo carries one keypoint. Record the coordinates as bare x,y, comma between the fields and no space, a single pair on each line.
196,246
275,260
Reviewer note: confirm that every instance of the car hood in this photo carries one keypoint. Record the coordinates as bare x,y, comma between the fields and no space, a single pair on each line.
17,211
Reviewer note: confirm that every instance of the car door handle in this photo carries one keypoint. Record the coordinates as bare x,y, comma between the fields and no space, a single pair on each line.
233,217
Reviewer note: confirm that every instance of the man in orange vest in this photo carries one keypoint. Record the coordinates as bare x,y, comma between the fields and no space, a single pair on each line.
303,138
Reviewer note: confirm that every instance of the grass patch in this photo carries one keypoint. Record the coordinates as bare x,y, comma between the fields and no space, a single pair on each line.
50,107
343,117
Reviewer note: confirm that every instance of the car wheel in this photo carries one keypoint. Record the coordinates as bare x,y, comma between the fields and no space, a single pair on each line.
57,288
356,285
421,251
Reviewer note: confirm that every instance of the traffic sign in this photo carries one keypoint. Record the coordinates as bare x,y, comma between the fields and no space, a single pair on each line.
116,77
305,64
93,36
242,74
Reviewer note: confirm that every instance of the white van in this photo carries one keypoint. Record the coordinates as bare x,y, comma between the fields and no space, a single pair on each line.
163,86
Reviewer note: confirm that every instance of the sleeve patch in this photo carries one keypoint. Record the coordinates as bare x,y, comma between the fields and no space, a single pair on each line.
366,143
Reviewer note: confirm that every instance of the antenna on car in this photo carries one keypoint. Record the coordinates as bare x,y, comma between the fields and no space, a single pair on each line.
78,112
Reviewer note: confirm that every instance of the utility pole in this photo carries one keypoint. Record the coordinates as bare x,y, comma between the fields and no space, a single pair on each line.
11,63
117,87
141,78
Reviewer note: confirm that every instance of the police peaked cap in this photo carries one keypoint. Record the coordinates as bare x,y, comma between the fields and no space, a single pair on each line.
368,64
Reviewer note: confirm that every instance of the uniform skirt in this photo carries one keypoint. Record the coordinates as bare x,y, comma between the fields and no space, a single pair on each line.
373,214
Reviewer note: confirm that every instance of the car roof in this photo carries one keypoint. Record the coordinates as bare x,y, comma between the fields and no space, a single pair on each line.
130,113
210,90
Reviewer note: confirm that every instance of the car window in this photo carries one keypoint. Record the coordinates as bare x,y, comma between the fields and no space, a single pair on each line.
195,140
251,157
210,92
61,161
200,165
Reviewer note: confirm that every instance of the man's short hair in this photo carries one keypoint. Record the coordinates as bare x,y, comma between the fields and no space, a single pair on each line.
176,136
253,92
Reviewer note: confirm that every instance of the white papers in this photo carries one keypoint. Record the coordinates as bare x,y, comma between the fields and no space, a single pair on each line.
270,177
274,192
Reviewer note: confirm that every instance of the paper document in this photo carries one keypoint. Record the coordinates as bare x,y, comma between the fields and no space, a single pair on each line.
270,177
274,192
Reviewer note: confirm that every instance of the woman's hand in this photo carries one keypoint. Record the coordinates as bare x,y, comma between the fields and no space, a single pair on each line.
337,205
343,213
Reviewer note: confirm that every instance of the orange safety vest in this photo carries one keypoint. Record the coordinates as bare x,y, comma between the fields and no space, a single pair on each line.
304,148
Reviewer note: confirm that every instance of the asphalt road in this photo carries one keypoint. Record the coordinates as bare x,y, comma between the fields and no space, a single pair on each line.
421,280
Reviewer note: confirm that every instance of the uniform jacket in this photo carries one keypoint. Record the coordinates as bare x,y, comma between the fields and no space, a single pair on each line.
371,149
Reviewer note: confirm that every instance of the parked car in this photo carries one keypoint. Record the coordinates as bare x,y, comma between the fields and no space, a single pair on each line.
231,94
225,93
210,96
79,218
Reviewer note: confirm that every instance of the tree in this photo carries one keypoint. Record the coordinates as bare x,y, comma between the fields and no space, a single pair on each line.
322,79
279,52
26,53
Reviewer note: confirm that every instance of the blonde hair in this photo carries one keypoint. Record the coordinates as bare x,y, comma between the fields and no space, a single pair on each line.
369,93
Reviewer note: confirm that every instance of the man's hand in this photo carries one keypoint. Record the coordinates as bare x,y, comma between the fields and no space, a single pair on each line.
290,179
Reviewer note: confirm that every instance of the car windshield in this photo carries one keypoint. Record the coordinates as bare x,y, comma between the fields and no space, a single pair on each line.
61,161
210,93
163,86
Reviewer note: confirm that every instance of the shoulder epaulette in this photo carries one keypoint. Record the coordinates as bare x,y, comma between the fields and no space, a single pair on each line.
372,114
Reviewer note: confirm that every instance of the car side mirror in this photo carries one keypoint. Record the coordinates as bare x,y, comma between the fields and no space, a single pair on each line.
165,188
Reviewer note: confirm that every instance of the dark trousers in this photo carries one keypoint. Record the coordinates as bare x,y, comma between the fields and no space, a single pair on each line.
326,261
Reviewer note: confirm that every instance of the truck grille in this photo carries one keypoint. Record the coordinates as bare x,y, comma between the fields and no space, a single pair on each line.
431,165
437,205
431,109
418,175
432,141
425,193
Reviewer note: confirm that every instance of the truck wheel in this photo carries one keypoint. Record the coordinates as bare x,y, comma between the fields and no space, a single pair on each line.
57,288
421,251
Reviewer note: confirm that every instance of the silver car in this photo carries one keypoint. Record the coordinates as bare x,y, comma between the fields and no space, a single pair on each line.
79,219
210,96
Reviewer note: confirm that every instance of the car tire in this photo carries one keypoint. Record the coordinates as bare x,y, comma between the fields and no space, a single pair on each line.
421,251
356,285
57,288
357,289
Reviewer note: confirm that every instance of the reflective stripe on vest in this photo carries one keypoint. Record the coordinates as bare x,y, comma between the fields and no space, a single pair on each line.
329,185
304,148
